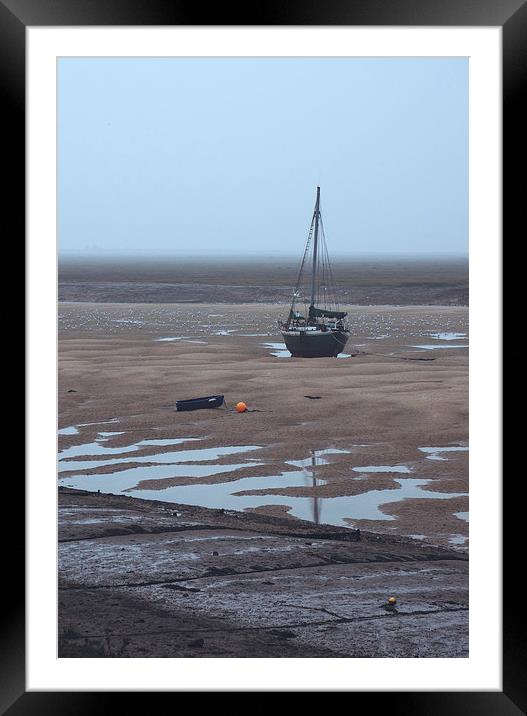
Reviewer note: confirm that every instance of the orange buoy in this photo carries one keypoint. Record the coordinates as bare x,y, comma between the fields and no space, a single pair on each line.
241,407
392,600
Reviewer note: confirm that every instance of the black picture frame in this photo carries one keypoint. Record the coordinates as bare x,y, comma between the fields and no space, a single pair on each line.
15,17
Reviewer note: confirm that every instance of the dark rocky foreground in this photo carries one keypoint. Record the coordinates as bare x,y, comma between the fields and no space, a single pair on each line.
142,578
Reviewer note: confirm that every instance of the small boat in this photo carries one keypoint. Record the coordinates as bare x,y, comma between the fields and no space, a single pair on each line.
209,401
317,330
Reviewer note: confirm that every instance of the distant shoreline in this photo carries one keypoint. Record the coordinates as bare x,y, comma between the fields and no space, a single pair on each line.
372,281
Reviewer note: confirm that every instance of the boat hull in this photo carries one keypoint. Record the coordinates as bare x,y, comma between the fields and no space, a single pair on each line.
209,401
304,344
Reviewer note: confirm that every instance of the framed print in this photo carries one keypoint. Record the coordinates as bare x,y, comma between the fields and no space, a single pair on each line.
251,242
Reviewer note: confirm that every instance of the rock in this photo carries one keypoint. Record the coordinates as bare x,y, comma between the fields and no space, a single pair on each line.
283,634
198,643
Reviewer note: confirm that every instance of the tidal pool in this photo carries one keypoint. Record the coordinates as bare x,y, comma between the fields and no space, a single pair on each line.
278,349
234,494
241,493
434,453
382,468
72,430
434,346
448,336
173,457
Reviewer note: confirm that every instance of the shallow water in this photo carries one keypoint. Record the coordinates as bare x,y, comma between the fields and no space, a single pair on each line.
462,516
183,339
173,457
279,350
202,463
433,346
126,480
72,430
382,468
226,495
331,510
100,422
314,460
97,448
448,336
435,452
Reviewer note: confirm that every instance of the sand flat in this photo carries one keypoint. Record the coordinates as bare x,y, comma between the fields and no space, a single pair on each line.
379,406
143,576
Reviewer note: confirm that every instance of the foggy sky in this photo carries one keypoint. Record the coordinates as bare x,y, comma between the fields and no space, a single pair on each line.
224,155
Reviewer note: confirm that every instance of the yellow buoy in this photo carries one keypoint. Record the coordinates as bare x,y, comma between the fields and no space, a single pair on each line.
392,600
241,407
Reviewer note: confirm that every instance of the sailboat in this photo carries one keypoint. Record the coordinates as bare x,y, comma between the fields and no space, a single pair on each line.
317,329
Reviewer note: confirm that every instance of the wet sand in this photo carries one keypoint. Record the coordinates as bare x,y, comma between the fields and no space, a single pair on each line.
149,579
379,406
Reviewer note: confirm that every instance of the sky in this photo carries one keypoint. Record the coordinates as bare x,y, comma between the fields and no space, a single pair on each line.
223,155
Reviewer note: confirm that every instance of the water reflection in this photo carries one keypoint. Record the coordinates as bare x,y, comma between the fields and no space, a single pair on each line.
128,470
317,501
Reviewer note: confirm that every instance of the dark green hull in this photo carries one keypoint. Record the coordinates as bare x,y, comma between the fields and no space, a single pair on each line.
305,344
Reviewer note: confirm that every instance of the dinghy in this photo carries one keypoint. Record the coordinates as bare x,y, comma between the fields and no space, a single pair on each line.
209,401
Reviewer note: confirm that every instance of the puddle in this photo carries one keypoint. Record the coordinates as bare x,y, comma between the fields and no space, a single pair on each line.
100,422
331,510
226,495
184,339
316,459
382,468
125,481
173,457
232,495
448,336
432,347
278,349
68,431
435,452
462,516
97,448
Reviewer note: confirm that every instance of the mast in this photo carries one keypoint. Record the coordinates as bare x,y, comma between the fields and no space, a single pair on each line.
315,248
